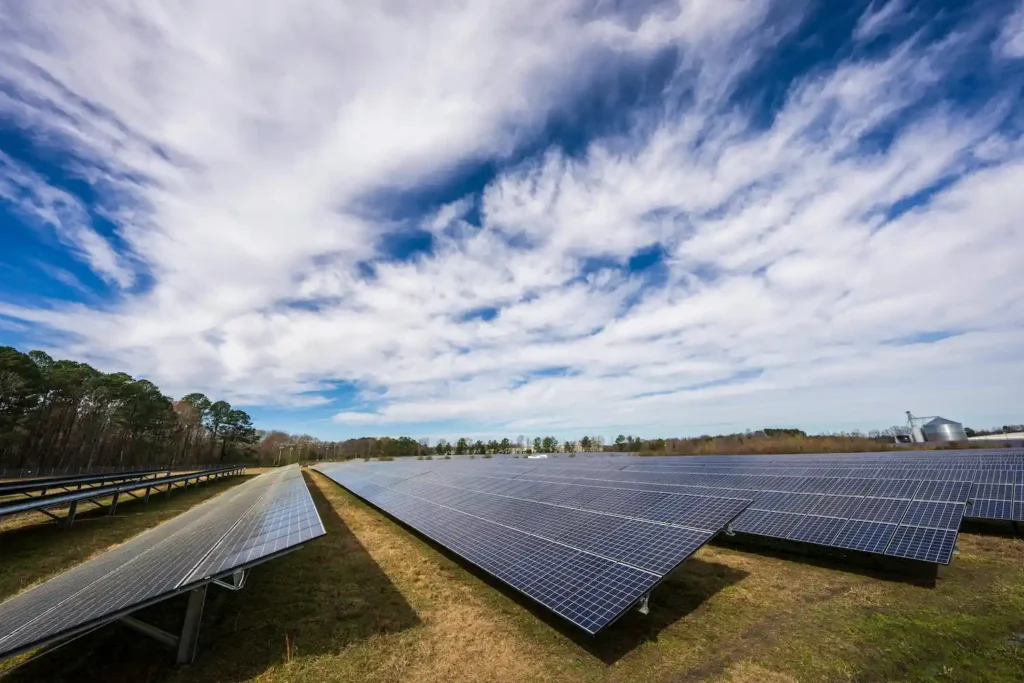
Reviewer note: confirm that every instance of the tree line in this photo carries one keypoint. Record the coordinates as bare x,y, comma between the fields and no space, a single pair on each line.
63,415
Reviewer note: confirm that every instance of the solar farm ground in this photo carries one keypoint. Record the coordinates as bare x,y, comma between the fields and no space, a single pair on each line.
372,602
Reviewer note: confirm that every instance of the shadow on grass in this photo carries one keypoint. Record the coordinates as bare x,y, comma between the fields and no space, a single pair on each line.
992,527
881,567
317,600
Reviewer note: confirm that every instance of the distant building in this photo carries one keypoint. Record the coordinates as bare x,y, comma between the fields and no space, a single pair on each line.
941,430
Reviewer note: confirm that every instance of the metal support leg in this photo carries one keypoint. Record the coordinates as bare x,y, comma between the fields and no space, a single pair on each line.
146,497
70,519
153,632
644,607
113,503
189,638
169,490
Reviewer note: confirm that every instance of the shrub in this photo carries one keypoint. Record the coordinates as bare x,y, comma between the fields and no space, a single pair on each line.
447,457
488,455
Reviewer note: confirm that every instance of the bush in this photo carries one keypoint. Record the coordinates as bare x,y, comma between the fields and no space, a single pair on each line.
430,457
572,455
488,455
419,457
447,457
472,457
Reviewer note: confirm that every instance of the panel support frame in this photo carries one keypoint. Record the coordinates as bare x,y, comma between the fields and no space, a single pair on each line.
186,643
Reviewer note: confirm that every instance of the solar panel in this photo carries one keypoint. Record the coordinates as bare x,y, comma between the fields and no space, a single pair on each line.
586,552
991,509
263,517
869,537
928,545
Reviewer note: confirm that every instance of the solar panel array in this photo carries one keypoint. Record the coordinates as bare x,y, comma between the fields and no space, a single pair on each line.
64,498
44,484
905,505
588,553
248,524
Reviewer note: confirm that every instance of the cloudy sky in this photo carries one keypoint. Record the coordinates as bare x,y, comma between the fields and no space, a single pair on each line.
479,217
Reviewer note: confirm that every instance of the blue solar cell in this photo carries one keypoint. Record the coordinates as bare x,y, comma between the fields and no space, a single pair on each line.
853,486
992,492
990,509
815,485
654,547
869,537
788,502
693,511
927,545
836,506
765,523
626,502
819,530
948,491
934,515
893,488
1000,476
879,509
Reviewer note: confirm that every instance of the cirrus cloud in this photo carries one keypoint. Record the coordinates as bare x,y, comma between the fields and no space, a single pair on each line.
700,253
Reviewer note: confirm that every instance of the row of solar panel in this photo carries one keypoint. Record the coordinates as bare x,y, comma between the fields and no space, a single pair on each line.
994,496
267,515
586,557
105,490
830,520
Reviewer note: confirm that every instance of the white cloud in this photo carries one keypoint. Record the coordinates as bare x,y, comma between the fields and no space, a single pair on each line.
1011,37
239,151
65,215
878,17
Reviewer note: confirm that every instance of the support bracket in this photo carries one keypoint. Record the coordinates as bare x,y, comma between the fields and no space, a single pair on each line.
185,643
644,607
236,582
728,530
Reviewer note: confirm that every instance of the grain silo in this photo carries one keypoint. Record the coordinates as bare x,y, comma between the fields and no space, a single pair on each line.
941,430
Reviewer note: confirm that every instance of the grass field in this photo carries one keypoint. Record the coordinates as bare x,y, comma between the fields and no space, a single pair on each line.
372,602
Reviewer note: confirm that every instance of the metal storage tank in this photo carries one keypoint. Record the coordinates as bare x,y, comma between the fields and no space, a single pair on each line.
940,430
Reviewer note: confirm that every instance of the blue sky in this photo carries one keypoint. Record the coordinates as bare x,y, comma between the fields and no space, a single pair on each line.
462,218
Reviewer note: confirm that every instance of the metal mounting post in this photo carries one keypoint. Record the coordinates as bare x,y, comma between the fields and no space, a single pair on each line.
189,638
70,519
728,530
644,608
186,643
113,503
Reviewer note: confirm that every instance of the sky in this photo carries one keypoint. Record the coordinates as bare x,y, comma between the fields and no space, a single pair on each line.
478,218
